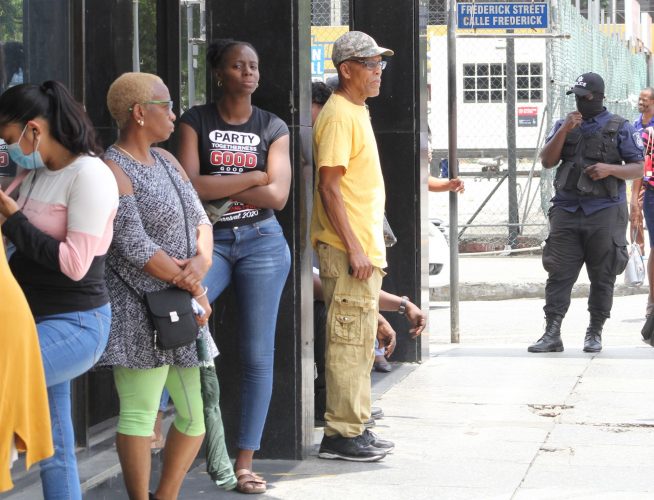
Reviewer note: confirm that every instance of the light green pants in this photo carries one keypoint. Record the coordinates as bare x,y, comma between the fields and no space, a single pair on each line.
140,392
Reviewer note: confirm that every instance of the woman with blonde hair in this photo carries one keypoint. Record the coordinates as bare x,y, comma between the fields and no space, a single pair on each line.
162,240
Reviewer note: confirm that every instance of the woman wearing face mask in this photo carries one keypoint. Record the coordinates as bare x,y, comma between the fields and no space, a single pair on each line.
61,226
232,149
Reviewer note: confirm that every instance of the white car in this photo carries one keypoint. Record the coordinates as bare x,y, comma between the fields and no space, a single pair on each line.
439,255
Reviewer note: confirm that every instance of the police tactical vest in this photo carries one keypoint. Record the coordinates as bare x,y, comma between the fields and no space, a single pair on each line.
581,150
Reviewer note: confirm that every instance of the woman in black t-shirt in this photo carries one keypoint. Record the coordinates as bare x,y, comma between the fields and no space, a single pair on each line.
237,156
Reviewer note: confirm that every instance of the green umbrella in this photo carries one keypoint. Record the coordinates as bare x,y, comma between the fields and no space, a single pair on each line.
219,465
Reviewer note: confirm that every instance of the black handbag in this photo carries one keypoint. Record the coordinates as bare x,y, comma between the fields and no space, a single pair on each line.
172,317
170,309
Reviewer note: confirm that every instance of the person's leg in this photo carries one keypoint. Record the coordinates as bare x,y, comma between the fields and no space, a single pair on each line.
220,272
158,439
606,256
70,344
186,434
259,276
648,215
319,328
351,327
562,259
59,476
139,392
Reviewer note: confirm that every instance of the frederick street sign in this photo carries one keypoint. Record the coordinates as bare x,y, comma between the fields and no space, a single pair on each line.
502,15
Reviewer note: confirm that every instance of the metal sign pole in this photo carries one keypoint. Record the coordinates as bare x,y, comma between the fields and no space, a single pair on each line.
511,141
453,170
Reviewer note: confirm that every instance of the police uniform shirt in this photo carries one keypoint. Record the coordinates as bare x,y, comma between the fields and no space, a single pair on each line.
630,147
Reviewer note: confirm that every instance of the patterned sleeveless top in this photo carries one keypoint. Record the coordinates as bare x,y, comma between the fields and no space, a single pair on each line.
147,221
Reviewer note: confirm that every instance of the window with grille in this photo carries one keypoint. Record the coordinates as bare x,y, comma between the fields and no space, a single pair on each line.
529,82
330,12
437,12
486,82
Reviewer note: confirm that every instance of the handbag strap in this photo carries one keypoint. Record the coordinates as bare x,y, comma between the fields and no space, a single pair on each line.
181,201
188,243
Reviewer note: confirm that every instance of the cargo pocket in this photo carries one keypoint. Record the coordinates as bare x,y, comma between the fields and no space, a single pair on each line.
621,255
348,317
327,261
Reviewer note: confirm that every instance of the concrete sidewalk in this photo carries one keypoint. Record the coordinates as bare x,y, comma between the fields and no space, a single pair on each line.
484,419
487,420
512,277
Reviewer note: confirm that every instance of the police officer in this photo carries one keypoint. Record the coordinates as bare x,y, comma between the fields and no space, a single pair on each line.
588,218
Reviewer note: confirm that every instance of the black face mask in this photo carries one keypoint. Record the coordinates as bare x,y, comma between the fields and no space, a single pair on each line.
589,109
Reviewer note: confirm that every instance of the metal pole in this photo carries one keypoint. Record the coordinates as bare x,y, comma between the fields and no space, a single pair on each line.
189,55
136,51
511,142
453,170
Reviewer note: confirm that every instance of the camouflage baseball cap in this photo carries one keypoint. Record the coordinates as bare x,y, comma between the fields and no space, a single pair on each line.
356,44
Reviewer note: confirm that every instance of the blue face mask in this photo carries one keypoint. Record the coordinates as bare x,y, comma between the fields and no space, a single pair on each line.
31,161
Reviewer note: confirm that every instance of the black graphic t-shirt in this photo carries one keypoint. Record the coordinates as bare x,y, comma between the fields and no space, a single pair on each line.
226,149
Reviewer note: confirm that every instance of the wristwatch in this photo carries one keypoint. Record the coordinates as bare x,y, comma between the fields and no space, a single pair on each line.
402,309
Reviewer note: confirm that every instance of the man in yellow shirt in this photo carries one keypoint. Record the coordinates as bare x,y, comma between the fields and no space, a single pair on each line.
347,233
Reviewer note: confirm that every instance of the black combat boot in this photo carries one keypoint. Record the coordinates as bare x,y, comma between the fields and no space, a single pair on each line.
593,339
551,339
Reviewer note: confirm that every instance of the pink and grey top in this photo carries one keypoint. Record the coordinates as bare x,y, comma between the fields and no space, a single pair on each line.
62,233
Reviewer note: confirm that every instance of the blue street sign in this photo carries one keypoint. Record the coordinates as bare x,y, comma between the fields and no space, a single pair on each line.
502,15
317,61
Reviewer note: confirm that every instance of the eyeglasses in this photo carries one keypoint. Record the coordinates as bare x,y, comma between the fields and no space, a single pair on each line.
371,65
169,104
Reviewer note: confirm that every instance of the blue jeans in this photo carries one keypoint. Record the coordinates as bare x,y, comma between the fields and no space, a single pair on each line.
257,259
71,343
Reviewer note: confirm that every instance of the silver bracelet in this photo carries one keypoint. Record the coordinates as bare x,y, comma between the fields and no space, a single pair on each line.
206,289
402,309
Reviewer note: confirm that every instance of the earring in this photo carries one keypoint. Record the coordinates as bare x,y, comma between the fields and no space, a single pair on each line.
220,83
141,122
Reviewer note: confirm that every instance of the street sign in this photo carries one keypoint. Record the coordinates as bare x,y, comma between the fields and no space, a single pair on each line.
502,15
317,61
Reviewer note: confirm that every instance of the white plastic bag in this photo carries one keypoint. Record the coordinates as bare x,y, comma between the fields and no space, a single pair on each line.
634,273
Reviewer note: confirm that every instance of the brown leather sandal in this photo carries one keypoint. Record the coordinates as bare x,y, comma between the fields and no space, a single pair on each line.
249,483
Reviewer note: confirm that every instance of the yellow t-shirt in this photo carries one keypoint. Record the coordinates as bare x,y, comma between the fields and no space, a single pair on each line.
343,136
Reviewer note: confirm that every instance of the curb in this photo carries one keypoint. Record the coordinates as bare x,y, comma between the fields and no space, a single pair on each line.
509,291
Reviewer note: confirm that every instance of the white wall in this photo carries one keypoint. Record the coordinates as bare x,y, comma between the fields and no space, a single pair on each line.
480,125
